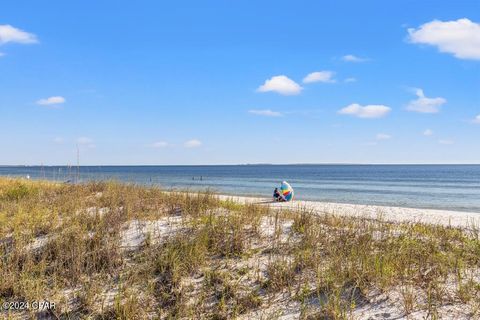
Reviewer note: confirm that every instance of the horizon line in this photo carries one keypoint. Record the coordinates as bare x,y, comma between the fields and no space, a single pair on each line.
234,164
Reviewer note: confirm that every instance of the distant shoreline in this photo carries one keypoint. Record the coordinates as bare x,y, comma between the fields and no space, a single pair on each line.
393,214
238,164
438,187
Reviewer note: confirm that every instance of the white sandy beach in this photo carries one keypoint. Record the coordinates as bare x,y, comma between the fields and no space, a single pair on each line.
392,214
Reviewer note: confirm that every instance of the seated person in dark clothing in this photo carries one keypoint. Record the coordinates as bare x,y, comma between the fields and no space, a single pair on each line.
276,195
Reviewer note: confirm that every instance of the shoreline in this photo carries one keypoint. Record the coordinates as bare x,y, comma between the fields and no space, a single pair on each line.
461,219
449,188
393,214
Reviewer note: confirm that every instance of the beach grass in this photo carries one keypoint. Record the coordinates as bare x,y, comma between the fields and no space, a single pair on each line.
107,250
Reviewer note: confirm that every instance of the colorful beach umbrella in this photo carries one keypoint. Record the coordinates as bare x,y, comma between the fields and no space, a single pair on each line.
287,191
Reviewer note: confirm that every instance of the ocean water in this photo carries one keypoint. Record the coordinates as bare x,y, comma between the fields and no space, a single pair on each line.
449,187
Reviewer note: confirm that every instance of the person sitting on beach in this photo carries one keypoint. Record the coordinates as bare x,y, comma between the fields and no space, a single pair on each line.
276,195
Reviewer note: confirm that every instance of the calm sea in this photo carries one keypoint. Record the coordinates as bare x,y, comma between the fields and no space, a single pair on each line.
450,187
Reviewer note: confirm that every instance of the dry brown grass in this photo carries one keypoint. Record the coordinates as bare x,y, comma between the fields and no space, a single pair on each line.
61,243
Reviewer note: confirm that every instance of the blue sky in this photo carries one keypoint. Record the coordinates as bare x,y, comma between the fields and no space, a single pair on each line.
226,82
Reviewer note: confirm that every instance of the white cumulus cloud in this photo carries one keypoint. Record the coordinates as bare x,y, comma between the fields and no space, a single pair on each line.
351,79
282,85
353,58
368,111
14,35
424,104
266,113
427,132
383,136
193,143
476,120
320,76
460,37
51,101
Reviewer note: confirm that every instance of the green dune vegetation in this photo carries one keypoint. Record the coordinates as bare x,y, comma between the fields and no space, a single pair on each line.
106,250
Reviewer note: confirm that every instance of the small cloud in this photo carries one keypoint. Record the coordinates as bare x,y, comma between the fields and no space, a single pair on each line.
282,85
320,76
446,141
51,101
424,104
14,35
368,111
58,140
428,132
383,136
160,144
84,141
266,113
348,80
194,143
460,38
476,120
2,54
353,58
